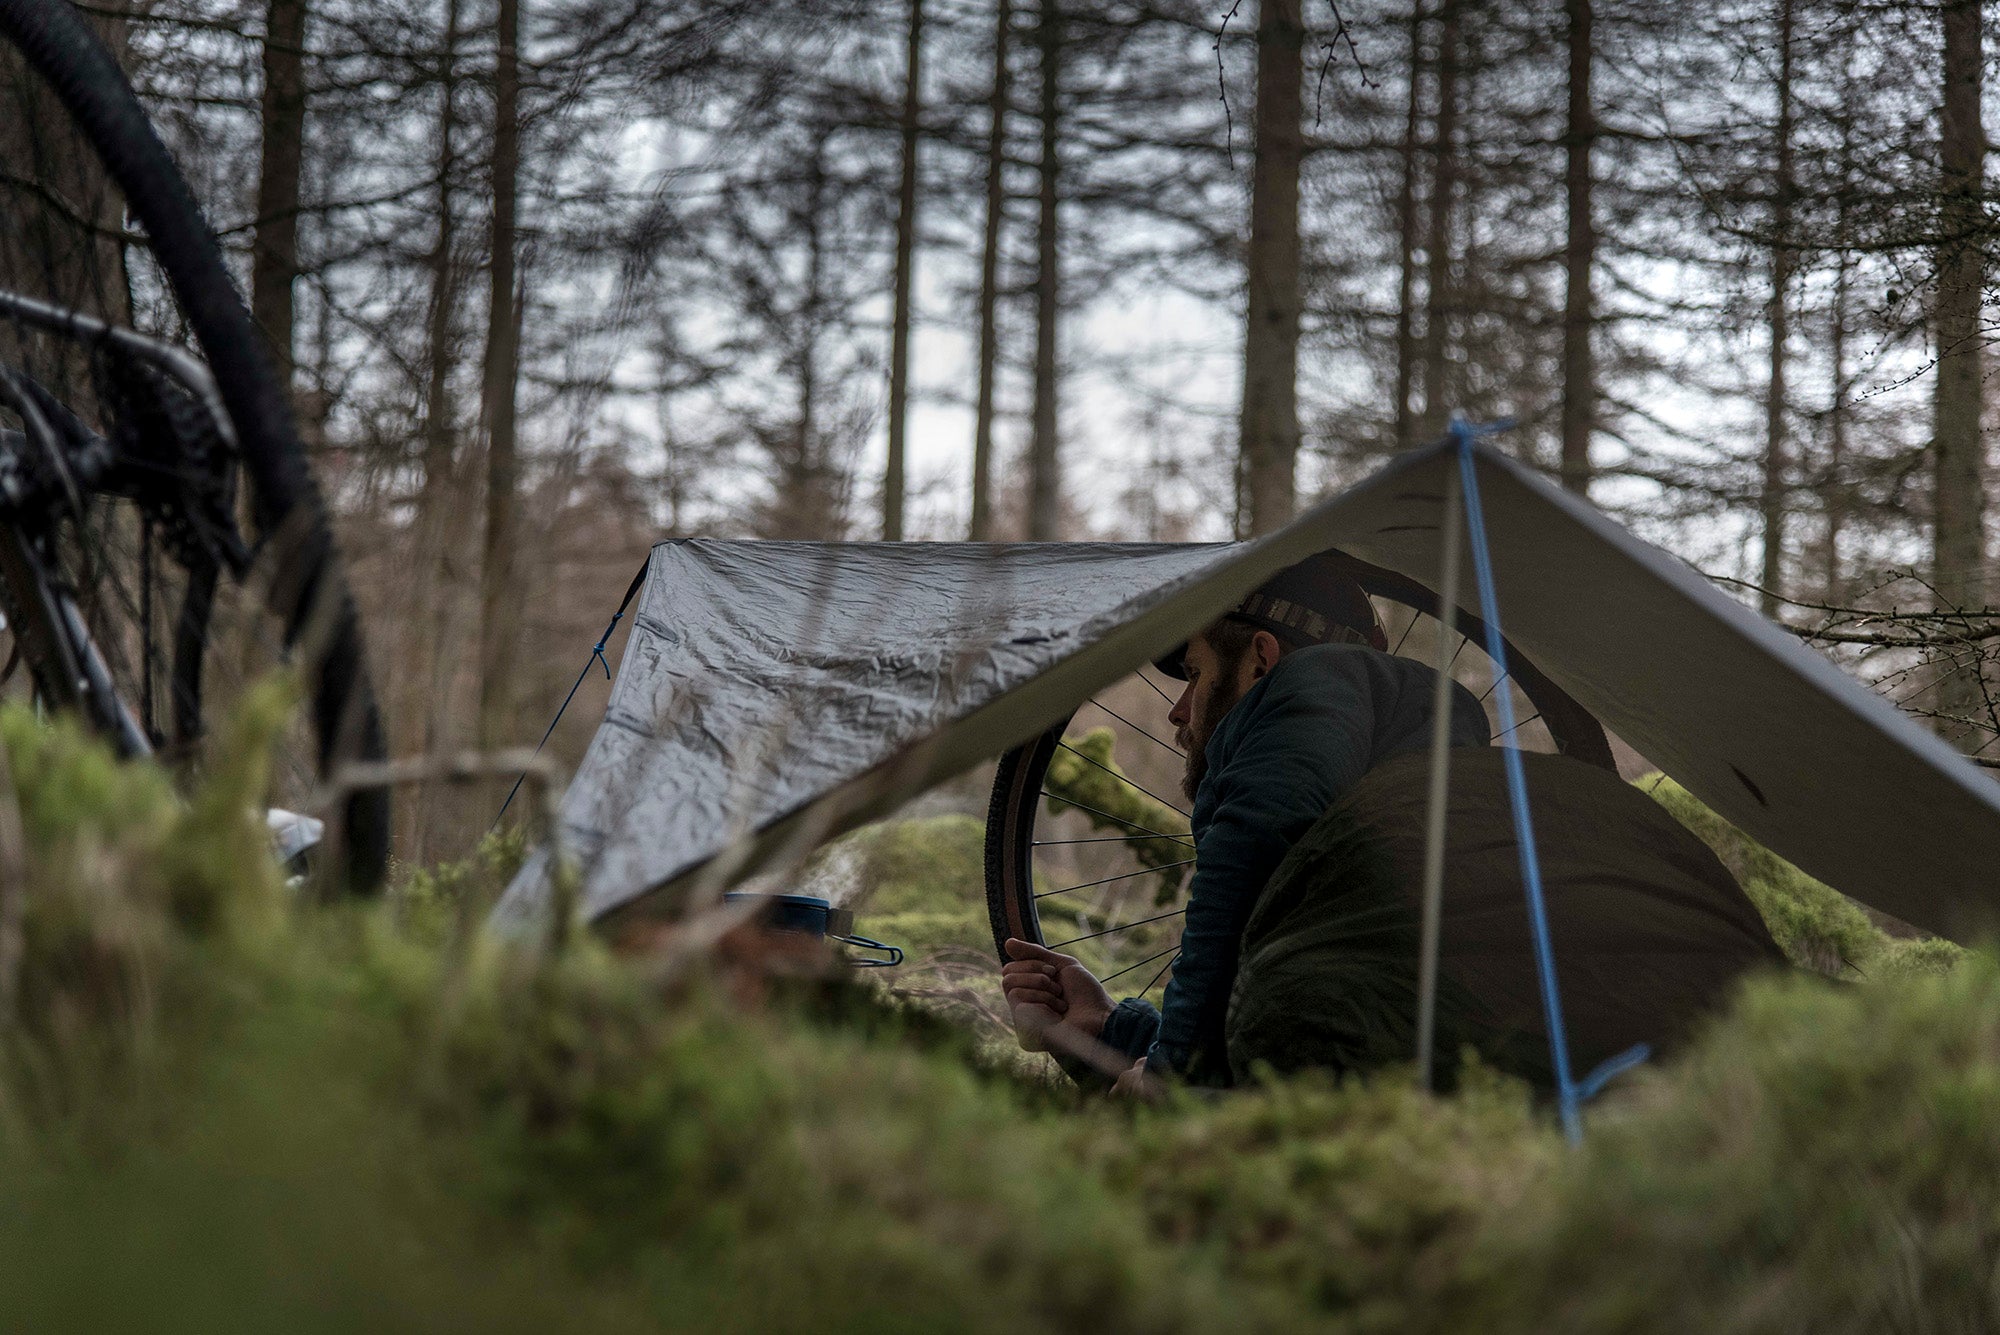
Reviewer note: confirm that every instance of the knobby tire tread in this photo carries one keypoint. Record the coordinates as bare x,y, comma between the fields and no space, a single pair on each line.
286,505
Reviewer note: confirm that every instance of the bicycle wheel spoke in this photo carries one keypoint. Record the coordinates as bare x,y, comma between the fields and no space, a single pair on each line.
1127,823
1156,687
1126,779
1163,972
1123,876
1122,927
1170,950
1406,634
1102,839
1136,728
1516,728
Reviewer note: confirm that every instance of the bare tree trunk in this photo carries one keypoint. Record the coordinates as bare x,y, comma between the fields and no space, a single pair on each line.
496,593
981,528
1044,483
1960,548
1834,490
1269,441
1406,241
62,240
906,240
274,260
805,509
1959,540
443,266
438,610
1579,395
1438,297
1774,499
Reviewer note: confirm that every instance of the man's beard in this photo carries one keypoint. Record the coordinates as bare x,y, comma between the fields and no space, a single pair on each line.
1194,738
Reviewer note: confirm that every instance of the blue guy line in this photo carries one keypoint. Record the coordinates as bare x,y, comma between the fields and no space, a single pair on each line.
1611,1068
1568,1096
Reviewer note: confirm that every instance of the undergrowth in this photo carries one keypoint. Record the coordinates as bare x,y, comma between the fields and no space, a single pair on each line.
224,1107
1817,926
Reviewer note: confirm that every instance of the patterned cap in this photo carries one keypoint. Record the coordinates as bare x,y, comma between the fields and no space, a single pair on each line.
1317,601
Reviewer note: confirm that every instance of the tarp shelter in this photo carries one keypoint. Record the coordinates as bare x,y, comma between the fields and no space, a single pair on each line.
773,694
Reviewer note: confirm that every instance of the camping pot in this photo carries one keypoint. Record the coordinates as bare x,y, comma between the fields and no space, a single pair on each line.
816,917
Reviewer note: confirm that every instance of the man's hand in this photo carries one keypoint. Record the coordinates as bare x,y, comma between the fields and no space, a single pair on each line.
1139,1086
1046,991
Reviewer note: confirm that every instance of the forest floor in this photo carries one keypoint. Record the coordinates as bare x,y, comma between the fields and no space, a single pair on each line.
222,1107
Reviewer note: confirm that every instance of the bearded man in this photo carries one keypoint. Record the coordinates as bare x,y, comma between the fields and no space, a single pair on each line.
1305,744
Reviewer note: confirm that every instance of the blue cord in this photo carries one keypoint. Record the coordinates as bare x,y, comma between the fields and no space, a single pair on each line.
1611,1068
1568,1097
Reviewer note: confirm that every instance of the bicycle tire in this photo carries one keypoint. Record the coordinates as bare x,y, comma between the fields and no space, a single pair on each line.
1015,804
289,516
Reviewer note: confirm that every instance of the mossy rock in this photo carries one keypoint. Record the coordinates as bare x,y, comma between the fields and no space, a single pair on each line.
1085,777
1815,925
919,884
932,864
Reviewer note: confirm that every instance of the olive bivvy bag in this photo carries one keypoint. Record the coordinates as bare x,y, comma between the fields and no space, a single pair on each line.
1650,931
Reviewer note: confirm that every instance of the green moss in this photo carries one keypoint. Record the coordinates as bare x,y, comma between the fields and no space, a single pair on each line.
436,902
252,1114
1365,1201
927,865
1083,776
919,884
120,883
1814,924
1927,955
71,791
370,1131
1824,1160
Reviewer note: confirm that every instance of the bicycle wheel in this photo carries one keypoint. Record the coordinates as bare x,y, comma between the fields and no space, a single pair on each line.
1087,842
119,494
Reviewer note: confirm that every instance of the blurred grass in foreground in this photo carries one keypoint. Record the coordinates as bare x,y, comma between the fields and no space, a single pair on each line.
224,1110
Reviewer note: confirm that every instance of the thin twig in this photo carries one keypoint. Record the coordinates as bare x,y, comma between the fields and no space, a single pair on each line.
1330,48
1222,89
541,775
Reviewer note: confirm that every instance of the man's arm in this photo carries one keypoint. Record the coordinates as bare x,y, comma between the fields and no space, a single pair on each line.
1060,1008
1278,760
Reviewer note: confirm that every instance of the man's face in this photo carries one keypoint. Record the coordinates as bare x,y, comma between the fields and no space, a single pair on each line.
1213,688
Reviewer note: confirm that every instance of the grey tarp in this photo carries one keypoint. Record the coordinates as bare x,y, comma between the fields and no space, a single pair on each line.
775,693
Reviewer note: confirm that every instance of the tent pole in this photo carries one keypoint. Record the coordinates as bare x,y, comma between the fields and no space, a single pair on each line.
1463,435
1447,619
